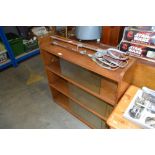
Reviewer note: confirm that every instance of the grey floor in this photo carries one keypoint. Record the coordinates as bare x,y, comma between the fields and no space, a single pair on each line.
30,106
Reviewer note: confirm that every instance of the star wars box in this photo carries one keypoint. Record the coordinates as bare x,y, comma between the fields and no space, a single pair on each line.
137,50
139,36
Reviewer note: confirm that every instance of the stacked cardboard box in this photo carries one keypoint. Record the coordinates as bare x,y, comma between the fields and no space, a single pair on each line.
139,42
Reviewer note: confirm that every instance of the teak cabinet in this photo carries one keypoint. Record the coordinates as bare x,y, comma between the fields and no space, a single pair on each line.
112,35
83,88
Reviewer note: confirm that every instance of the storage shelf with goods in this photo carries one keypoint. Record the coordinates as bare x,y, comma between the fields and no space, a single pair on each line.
5,64
88,89
16,50
25,56
6,57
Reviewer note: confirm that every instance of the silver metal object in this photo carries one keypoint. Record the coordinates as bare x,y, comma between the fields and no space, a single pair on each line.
111,58
88,32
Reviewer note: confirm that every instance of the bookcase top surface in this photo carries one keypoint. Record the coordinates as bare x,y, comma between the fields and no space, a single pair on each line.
86,62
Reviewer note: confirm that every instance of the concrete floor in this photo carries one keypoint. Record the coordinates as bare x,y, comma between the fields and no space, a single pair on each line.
25,105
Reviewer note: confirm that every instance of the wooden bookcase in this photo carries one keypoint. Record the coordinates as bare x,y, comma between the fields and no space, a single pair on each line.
83,88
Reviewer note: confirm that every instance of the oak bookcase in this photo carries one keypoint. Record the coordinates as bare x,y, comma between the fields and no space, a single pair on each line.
79,85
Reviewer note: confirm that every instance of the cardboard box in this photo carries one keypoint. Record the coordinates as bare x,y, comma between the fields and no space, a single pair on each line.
139,36
137,50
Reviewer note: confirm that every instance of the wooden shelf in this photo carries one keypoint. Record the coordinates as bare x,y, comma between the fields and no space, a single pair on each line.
116,119
79,85
144,58
56,70
61,86
86,62
63,102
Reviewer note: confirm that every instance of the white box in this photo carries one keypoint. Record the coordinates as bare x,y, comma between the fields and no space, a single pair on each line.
141,110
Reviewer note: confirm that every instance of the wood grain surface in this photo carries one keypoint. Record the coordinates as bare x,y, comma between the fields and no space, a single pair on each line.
116,119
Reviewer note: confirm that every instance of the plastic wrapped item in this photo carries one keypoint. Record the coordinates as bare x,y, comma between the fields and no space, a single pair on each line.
140,36
137,50
142,108
139,41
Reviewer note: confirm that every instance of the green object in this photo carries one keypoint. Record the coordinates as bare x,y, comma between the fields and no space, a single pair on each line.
29,46
17,46
16,43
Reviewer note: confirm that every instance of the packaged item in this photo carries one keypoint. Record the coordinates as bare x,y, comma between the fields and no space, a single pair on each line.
140,36
137,50
142,108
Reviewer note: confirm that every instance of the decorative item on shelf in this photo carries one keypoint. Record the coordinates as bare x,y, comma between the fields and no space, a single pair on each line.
111,58
139,42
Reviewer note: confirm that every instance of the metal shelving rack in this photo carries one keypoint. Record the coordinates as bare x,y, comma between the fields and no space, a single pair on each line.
13,61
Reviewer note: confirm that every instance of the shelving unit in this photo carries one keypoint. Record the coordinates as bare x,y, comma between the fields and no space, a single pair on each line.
5,64
61,85
25,56
83,88
12,60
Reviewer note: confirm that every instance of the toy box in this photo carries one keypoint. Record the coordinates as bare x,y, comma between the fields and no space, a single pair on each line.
139,36
137,50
